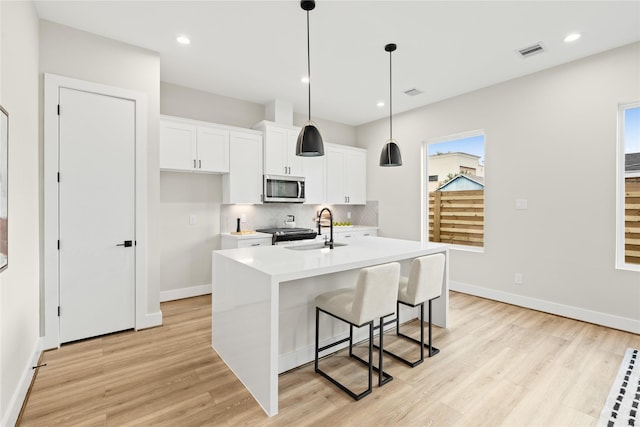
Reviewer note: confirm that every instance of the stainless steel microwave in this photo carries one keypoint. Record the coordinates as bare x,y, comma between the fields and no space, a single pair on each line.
283,189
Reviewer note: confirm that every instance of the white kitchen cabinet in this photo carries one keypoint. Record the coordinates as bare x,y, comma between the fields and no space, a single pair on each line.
314,174
233,241
344,234
280,149
191,146
346,175
243,183
213,149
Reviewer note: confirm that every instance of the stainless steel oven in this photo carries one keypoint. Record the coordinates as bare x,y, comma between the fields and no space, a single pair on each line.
283,189
288,235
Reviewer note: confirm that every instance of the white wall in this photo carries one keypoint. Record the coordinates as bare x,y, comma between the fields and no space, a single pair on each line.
77,54
550,138
185,250
19,284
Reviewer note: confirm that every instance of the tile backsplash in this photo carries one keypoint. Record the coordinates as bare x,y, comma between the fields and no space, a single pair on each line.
273,215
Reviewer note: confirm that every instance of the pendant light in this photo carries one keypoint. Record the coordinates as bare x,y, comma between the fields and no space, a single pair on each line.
309,141
390,155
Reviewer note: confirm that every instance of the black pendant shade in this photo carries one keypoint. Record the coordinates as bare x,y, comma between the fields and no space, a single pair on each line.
309,141
390,155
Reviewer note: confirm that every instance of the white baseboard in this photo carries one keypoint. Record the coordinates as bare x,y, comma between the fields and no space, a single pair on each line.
10,417
596,317
149,320
191,291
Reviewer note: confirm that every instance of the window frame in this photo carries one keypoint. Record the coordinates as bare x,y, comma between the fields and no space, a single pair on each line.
620,262
424,195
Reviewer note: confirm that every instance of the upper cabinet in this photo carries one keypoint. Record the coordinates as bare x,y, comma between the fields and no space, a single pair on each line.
280,149
213,149
346,175
314,175
187,145
243,183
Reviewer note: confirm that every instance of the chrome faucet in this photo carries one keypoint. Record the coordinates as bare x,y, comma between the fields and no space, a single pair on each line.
330,242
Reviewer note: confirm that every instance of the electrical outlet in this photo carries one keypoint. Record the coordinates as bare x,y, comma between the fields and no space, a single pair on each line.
243,218
517,278
192,219
348,215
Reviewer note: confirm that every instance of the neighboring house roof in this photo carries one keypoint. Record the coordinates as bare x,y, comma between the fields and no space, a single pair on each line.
463,182
454,153
632,162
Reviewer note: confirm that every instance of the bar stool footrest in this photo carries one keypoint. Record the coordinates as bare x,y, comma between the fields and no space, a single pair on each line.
383,377
343,388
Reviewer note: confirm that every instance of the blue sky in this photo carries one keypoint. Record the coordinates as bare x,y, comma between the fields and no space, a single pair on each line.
472,145
632,130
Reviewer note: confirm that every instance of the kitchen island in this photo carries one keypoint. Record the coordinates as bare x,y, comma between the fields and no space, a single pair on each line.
263,320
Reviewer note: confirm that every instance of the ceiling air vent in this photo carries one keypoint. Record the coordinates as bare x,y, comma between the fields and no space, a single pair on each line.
413,92
531,50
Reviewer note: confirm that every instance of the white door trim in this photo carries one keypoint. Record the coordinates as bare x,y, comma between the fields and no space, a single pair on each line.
52,83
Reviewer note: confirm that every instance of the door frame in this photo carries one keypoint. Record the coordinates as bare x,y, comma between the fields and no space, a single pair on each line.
52,85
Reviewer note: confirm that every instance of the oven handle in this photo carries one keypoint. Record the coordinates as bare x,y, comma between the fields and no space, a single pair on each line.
299,190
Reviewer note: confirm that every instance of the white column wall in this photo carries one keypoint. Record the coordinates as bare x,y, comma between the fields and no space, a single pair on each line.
20,282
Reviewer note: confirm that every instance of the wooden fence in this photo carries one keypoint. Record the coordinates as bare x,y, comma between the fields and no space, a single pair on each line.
457,217
632,220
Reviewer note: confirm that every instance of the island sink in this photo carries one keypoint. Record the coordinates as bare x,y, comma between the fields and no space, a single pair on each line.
313,246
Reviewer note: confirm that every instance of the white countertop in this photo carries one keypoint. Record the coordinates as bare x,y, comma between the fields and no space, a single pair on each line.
283,264
255,235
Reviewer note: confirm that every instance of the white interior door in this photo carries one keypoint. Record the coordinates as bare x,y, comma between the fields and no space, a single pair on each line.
96,214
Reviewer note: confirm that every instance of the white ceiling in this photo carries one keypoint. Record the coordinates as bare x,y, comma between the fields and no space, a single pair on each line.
256,50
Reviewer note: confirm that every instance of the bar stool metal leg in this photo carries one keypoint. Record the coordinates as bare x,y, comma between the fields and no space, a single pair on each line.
432,350
350,339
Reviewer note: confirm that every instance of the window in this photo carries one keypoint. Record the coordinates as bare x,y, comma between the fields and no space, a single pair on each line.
468,170
628,224
453,208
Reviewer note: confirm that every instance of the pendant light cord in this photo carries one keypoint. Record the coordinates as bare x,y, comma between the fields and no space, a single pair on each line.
390,100
309,65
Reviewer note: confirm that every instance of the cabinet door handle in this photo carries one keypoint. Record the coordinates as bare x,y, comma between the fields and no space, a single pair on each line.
255,244
199,164
194,163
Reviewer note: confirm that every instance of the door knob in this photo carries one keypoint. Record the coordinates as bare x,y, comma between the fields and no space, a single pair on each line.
126,243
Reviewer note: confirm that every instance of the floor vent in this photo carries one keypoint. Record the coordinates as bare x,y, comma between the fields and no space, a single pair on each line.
413,92
531,50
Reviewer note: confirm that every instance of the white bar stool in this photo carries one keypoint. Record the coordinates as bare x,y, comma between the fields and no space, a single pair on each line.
373,298
423,284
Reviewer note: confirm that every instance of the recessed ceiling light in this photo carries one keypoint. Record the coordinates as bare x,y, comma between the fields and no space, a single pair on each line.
305,79
380,104
183,40
572,37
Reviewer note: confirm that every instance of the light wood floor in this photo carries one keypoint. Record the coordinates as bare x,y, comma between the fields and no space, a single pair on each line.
499,365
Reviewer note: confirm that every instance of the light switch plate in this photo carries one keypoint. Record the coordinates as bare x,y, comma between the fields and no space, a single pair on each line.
521,204
192,219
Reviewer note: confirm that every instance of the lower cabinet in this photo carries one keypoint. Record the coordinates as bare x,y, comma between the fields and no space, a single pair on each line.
232,241
342,235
